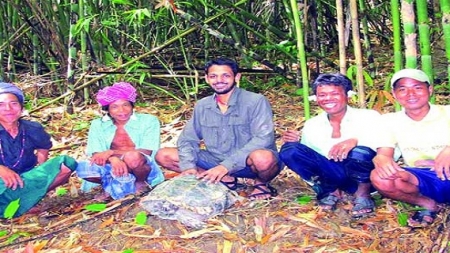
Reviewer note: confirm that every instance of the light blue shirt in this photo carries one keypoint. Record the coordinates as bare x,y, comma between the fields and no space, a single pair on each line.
143,129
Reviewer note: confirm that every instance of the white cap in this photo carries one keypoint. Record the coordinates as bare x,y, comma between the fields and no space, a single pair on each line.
415,74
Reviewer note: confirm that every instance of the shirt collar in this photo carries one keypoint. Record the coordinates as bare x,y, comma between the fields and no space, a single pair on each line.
233,98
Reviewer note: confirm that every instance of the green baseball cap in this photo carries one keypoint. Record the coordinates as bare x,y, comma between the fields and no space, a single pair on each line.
415,74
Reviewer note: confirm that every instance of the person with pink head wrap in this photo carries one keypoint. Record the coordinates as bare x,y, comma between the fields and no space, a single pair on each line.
122,145
120,90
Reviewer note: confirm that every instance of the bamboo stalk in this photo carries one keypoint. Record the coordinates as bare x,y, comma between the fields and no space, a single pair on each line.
358,54
409,28
445,7
341,35
301,58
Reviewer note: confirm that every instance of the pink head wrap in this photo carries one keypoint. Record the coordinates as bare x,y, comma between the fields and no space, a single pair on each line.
120,90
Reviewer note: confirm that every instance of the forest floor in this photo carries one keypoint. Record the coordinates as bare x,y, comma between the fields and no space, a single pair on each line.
281,224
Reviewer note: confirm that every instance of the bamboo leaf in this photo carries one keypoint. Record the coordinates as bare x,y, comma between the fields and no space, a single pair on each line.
303,200
141,218
61,191
11,209
402,219
3,233
98,207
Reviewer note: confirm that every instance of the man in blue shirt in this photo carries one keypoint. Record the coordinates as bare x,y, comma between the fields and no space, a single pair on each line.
230,135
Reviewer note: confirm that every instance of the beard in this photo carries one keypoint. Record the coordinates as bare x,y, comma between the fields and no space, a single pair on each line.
225,91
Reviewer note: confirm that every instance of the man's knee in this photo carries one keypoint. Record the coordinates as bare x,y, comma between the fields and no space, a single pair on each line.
165,156
380,183
262,159
134,159
359,165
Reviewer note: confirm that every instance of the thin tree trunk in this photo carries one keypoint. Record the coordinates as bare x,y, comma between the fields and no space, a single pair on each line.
341,35
301,58
445,7
410,38
358,54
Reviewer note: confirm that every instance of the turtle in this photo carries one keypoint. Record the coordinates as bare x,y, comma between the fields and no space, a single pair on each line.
188,200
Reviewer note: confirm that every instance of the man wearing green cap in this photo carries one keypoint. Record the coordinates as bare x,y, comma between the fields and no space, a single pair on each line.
421,132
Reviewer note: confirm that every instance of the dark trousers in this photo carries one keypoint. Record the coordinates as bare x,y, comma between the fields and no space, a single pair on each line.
326,175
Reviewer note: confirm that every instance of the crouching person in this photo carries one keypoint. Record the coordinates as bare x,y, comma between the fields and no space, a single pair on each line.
334,153
122,146
26,173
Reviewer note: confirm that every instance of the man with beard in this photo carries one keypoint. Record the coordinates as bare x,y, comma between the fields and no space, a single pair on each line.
230,135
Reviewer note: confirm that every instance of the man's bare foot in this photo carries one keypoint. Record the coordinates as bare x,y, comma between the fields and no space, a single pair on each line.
103,196
262,191
141,187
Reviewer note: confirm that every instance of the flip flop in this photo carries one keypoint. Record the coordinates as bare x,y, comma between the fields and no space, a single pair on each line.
418,220
233,185
329,202
362,207
266,189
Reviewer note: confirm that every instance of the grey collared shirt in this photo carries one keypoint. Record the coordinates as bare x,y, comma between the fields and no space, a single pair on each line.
229,137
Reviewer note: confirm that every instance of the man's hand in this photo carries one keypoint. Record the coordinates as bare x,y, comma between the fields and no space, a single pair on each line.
213,175
101,158
442,164
386,167
119,168
340,151
11,179
290,136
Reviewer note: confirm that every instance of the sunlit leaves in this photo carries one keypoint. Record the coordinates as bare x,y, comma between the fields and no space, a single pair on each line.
97,207
11,209
141,218
60,191
402,219
303,199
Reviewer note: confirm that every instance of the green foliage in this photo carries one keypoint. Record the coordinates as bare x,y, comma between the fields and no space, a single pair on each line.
61,191
303,199
141,218
97,207
3,233
81,125
15,236
11,209
353,70
402,219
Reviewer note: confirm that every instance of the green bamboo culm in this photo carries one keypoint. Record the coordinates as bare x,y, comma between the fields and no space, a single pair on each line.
396,30
358,53
341,35
301,57
445,8
424,40
410,36
365,33
398,56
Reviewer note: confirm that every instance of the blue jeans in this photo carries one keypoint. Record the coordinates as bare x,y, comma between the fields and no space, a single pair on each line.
326,175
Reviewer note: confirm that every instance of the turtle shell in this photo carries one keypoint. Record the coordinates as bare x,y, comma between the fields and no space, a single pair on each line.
189,200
